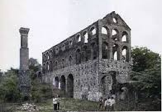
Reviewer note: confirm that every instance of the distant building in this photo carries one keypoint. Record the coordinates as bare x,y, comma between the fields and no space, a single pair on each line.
92,62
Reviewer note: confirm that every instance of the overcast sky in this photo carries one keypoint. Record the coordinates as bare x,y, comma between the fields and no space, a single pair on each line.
51,21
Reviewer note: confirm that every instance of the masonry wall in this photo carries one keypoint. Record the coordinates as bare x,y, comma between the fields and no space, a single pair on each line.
95,59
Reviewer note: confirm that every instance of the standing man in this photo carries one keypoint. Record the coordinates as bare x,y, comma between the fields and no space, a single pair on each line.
107,104
112,103
58,103
101,101
55,103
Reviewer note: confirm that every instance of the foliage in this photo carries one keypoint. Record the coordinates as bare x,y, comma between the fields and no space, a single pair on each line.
9,84
147,72
34,68
39,90
143,58
8,87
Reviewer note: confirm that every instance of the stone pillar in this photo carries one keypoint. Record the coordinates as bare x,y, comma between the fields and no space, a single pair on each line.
127,54
110,50
24,79
119,53
99,39
129,47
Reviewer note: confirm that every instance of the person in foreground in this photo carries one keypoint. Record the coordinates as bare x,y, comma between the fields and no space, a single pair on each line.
101,102
109,104
55,103
112,103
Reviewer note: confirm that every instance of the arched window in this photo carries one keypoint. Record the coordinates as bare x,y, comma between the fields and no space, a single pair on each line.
56,50
63,47
115,20
94,52
63,63
93,31
48,66
47,55
115,38
105,50
104,30
114,32
51,53
78,38
78,56
51,64
125,53
56,64
115,55
115,52
85,53
124,37
70,60
71,43
85,35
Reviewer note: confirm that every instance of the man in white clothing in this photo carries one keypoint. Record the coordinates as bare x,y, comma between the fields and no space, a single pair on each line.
112,103
107,103
55,102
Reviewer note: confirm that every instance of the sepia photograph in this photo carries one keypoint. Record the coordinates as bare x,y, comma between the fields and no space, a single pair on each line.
80,55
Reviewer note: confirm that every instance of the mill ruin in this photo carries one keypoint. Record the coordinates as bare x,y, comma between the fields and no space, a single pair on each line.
92,62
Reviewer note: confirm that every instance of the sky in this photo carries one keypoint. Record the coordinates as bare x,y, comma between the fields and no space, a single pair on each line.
52,21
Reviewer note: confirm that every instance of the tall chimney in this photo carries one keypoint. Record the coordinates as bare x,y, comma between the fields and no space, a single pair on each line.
24,79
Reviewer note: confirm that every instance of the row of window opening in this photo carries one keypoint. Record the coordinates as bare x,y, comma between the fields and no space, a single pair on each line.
114,33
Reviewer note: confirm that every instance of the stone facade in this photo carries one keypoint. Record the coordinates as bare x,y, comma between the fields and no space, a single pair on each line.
24,80
90,63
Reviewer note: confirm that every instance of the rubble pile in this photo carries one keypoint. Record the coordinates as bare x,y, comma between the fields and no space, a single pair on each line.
29,107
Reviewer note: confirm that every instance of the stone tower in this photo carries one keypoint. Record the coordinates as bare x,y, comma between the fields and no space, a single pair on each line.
24,80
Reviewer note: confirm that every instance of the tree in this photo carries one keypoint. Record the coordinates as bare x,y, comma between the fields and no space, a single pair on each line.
38,90
8,86
143,58
34,67
147,72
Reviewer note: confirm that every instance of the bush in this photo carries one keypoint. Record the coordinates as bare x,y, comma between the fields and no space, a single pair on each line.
8,87
40,91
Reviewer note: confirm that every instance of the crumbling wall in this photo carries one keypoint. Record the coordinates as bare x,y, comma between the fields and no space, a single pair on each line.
97,58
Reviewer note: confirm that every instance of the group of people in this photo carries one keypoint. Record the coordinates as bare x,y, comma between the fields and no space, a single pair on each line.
107,104
56,102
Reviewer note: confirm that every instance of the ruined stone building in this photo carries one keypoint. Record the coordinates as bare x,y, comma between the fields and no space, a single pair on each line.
91,62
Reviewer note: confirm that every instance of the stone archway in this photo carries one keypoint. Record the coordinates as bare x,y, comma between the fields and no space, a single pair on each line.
106,85
56,82
63,83
114,81
70,85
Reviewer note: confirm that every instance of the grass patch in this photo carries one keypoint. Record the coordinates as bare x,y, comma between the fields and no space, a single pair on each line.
67,104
